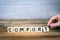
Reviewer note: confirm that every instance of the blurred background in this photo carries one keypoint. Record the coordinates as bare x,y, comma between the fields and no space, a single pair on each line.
28,9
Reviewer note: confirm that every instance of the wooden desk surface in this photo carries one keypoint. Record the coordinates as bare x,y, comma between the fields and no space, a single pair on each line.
34,36
28,38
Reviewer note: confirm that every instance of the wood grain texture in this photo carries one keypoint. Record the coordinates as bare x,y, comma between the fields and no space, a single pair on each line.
26,22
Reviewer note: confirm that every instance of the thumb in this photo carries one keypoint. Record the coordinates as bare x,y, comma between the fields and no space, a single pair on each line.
55,24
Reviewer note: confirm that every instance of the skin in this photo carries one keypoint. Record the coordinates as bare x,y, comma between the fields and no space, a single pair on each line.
54,21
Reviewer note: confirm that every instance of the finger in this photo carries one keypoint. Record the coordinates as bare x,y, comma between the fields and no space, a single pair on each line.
52,19
55,24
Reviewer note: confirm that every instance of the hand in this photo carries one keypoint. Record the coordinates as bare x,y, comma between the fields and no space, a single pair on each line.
54,21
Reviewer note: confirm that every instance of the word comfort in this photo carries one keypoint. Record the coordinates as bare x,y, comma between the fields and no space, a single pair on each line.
28,29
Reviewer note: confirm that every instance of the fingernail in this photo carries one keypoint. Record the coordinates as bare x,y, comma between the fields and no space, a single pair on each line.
49,26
